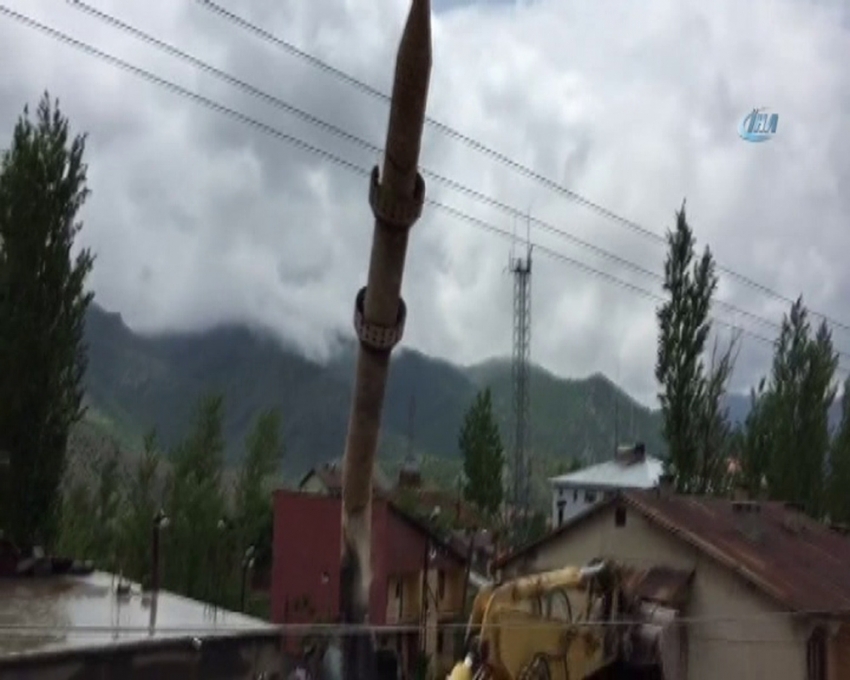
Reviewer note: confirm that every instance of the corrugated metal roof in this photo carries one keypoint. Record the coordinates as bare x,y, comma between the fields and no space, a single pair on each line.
802,563
642,474
83,612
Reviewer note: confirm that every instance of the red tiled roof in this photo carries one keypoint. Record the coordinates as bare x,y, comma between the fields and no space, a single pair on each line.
801,563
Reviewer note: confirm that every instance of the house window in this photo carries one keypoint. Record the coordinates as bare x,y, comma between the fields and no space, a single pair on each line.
589,496
560,514
441,584
816,655
620,516
575,496
440,641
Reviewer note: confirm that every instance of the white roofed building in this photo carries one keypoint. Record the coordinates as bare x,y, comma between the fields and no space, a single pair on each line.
631,469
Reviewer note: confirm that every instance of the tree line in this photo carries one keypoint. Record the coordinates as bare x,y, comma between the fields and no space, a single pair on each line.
785,449
105,512
218,531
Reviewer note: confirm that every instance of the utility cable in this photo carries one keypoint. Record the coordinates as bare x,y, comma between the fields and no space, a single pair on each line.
355,629
478,146
311,119
326,155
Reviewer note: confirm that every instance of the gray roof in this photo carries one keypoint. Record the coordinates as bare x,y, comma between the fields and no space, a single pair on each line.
613,474
60,613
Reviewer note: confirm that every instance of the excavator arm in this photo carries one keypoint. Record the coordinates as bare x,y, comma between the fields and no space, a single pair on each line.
515,633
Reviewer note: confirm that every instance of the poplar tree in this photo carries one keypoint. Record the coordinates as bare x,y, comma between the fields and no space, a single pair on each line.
43,304
263,456
838,498
483,455
198,539
796,411
691,396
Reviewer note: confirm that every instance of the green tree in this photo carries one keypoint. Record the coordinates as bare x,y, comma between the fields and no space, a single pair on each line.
263,454
92,504
483,455
838,498
796,411
754,441
108,505
690,395
143,500
198,545
76,530
714,434
43,305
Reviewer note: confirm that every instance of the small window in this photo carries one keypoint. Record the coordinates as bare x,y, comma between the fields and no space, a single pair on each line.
575,496
589,496
560,515
441,584
440,642
620,516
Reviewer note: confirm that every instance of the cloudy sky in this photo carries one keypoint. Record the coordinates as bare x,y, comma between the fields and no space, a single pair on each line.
198,219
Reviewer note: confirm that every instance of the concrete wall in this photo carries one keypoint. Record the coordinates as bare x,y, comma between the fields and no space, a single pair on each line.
306,558
569,500
312,484
242,657
743,634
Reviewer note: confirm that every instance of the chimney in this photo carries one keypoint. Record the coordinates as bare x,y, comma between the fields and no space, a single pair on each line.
749,513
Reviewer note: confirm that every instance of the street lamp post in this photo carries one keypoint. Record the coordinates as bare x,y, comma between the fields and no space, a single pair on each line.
160,522
247,565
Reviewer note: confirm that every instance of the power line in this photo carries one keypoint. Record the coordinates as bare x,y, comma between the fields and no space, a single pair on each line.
279,103
352,167
26,629
480,147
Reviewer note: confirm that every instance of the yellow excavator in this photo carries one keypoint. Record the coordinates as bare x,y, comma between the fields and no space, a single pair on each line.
556,625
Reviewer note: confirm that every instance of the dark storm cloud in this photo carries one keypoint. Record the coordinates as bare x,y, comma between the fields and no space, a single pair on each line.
197,218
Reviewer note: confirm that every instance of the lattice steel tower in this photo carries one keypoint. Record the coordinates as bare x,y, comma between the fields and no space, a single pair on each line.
521,473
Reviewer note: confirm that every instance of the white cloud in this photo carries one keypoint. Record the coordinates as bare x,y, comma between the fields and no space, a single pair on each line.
196,218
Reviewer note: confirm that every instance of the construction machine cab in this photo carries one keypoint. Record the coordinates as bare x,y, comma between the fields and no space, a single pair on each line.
553,626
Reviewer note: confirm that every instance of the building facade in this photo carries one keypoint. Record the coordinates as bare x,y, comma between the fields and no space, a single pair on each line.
770,594
631,469
417,578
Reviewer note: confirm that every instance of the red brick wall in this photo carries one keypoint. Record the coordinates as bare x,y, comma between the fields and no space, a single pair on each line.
307,543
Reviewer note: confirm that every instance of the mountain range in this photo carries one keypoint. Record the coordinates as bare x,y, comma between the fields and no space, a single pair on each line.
136,382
